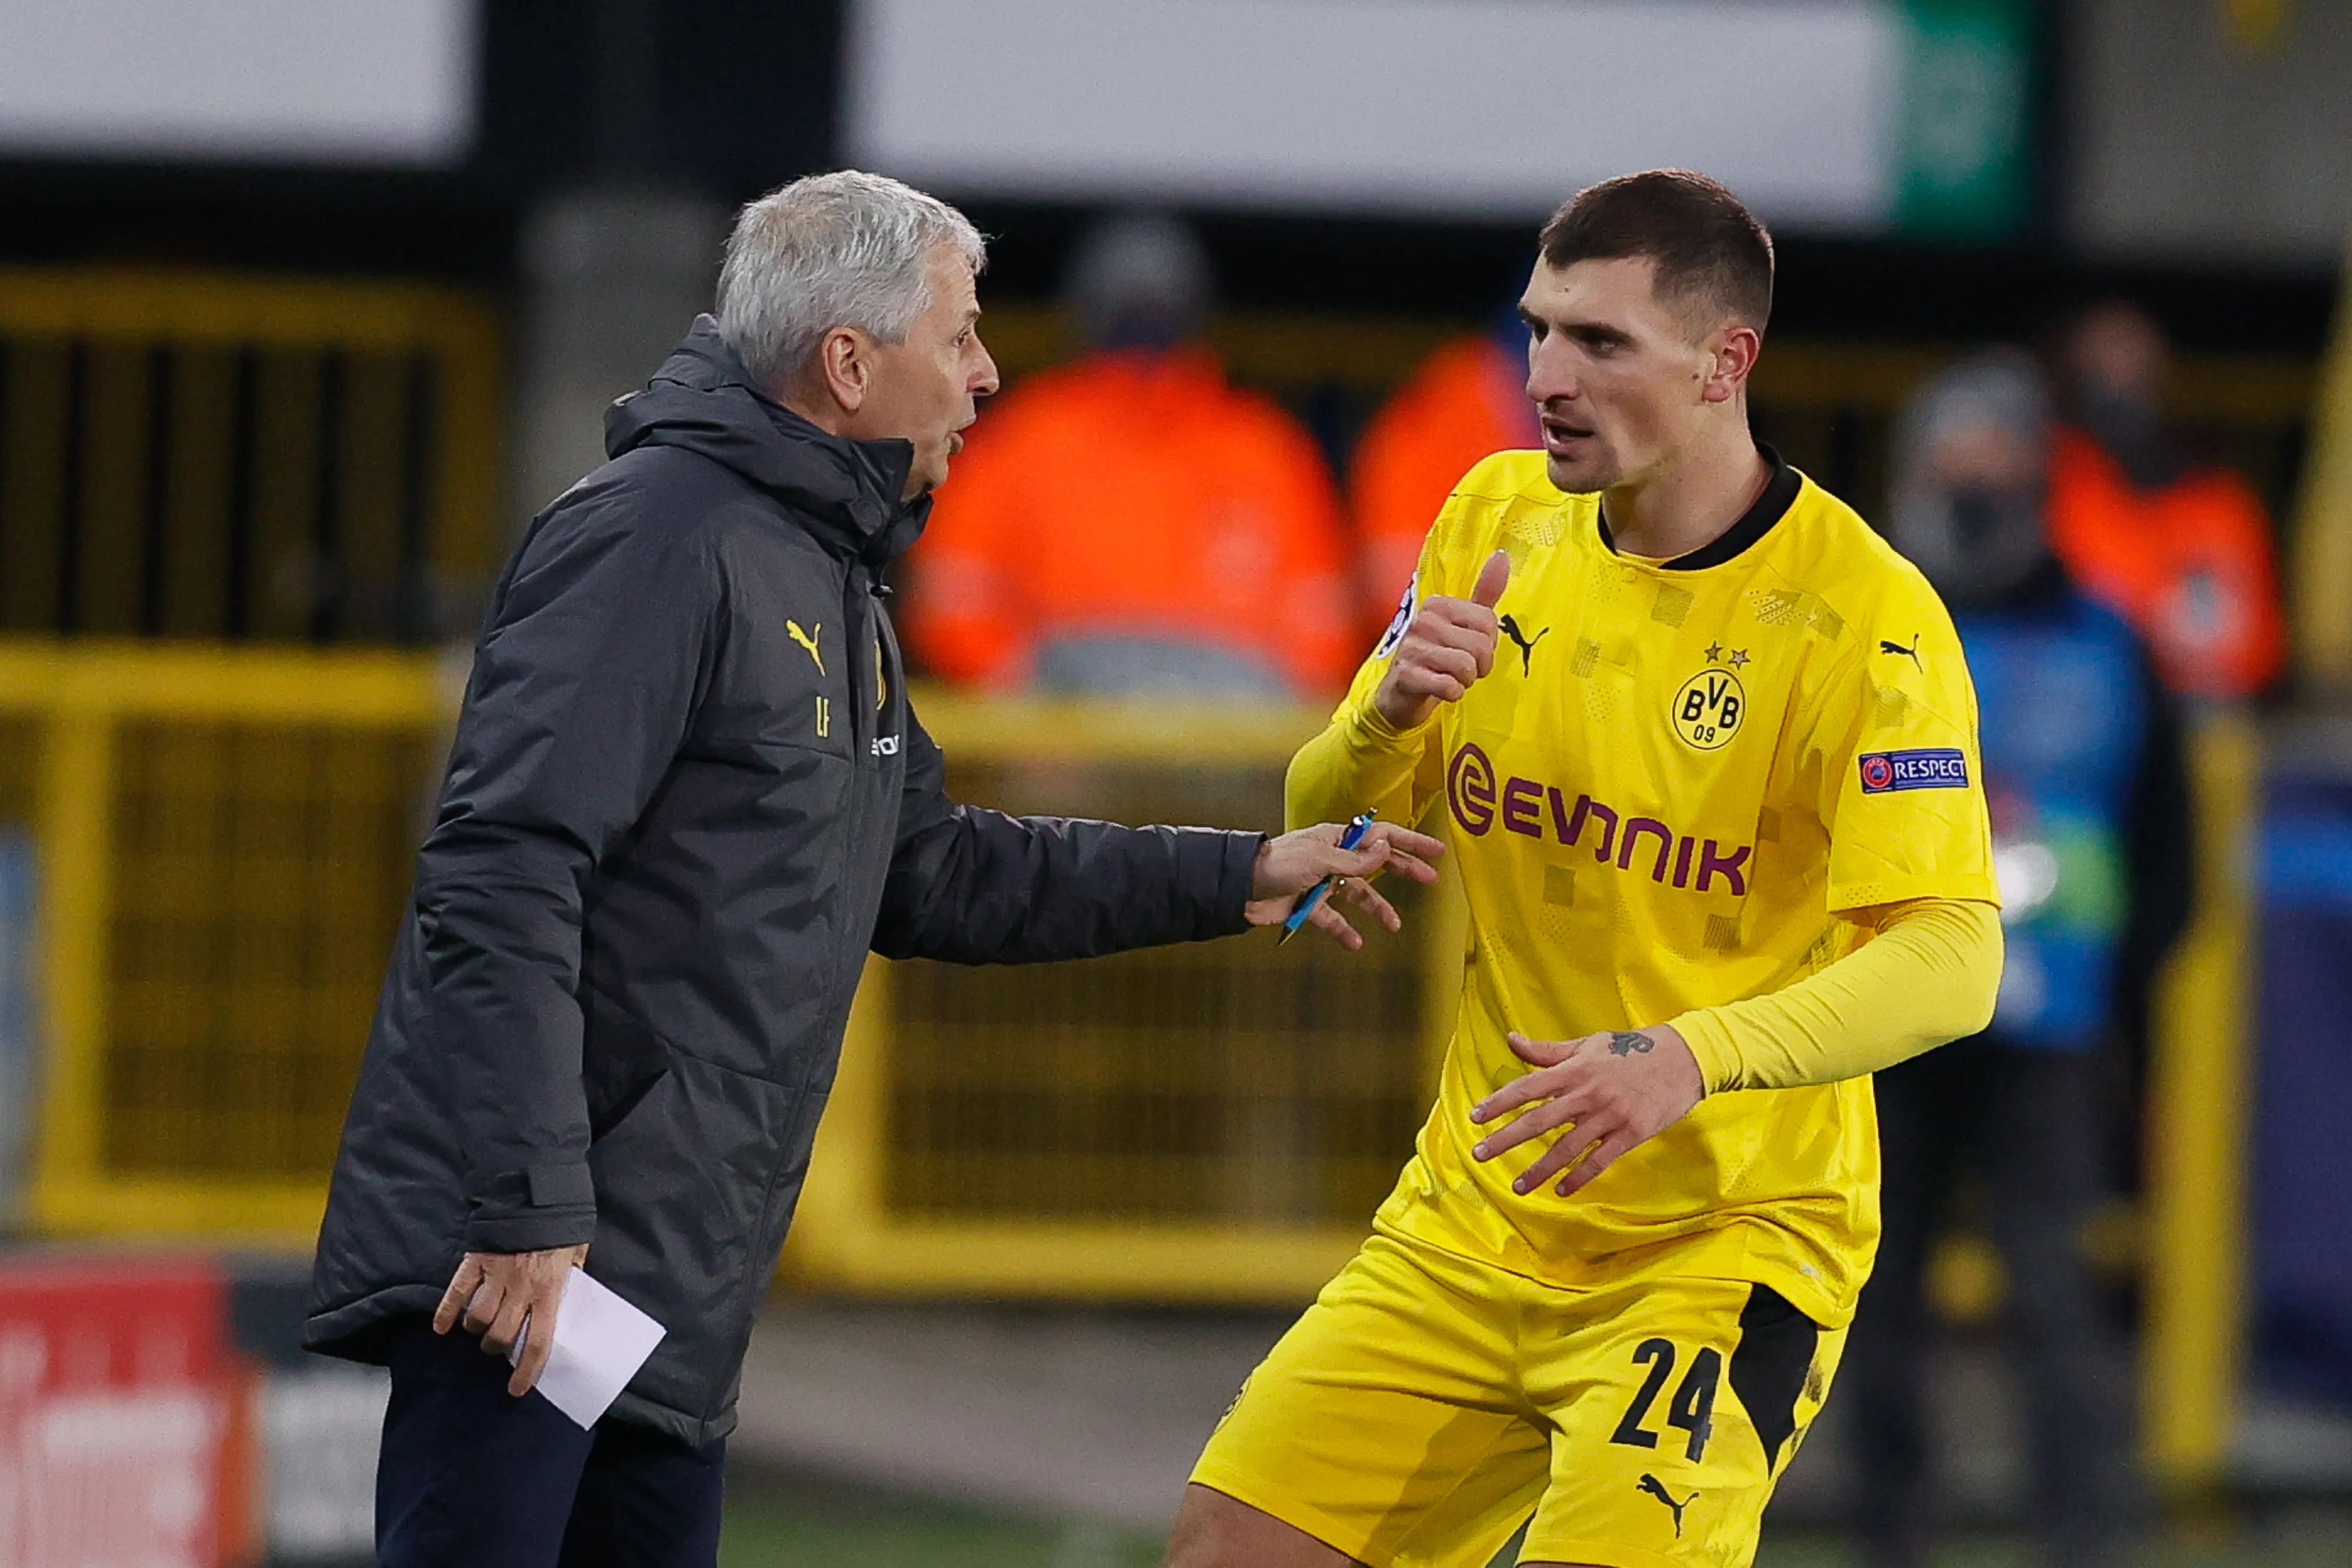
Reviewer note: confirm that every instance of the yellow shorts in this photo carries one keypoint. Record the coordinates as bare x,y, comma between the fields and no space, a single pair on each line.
1427,1404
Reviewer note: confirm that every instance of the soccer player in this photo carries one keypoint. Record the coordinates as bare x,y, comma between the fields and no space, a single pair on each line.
1709,749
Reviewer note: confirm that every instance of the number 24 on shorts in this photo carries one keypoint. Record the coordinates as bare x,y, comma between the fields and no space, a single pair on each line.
1691,1409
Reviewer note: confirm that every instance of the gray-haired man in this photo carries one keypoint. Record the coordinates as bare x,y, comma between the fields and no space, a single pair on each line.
688,795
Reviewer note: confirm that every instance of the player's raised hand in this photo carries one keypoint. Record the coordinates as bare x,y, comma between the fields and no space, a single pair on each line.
1448,645
1289,865
1612,1092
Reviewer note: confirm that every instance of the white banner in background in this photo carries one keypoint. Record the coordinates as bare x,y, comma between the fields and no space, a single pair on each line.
342,80
1493,107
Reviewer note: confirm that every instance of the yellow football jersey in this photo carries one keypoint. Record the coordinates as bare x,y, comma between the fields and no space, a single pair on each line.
1677,778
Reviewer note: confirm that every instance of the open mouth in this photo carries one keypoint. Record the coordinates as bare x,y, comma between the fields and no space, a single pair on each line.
1561,437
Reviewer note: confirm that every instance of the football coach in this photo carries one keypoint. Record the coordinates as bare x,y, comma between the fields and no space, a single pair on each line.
688,795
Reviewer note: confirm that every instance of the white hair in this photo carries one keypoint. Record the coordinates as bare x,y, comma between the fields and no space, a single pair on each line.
845,249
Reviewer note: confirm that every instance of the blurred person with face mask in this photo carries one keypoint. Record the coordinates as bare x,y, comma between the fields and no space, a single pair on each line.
2181,550
1124,523
2084,773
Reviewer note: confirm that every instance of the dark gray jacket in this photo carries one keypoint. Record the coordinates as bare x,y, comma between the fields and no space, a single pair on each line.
687,794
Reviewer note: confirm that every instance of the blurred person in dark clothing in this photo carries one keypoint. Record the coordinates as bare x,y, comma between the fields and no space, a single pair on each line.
2180,548
1123,522
2083,774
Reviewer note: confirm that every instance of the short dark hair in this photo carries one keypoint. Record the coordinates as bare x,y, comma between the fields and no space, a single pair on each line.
1711,254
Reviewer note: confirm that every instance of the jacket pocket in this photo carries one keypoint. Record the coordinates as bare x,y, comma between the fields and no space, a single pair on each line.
620,1061
682,1179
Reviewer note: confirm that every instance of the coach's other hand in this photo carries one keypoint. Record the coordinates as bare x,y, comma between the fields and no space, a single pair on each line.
1610,1091
493,1292
1449,645
1289,865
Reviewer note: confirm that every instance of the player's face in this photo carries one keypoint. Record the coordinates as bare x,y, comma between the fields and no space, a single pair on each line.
1619,382
927,388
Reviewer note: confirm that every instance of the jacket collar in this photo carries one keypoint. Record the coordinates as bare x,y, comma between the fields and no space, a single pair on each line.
844,493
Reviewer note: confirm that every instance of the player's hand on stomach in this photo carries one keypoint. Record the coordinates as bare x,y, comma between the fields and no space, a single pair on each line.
1610,1091
1448,645
492,1294
1289,865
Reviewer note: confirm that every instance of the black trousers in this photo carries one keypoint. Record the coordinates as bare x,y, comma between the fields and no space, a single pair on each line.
2030,1124
469,1475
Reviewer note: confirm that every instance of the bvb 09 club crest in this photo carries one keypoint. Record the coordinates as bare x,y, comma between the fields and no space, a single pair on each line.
1709,708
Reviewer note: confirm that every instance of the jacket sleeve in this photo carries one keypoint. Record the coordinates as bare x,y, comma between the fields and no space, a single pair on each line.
597,648
974,887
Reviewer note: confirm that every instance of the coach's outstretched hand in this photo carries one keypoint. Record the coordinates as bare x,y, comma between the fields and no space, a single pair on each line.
1447,646
1289,865
1610,1091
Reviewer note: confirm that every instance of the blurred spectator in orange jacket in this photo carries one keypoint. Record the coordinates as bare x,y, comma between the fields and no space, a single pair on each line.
2181,550
1132,522
1467,401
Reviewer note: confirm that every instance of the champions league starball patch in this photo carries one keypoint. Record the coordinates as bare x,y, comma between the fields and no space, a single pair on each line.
1928,767
1401,620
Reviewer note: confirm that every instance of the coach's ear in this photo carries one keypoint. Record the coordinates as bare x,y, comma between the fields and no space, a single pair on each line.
1735,349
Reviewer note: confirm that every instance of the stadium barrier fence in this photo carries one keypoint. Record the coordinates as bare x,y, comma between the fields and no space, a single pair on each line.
222,841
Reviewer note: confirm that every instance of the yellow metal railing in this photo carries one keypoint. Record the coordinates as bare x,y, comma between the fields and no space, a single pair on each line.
223,844
2200,1086
1212,1122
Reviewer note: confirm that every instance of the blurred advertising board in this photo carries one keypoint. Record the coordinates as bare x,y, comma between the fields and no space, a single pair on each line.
1839,115
119,1432
159,1412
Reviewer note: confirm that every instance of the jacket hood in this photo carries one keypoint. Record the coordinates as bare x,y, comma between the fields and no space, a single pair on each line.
844,492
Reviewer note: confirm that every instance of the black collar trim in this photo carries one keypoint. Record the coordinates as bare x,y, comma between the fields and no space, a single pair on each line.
1780,495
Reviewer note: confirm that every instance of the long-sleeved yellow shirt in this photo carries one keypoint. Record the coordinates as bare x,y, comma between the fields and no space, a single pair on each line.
1738,793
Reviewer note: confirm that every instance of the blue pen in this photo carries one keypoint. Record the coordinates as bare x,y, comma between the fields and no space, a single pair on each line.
1357,827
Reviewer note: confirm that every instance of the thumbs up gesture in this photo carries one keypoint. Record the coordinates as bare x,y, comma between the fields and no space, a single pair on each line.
1449,645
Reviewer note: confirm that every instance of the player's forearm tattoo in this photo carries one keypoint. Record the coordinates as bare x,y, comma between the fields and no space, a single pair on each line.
1623,1041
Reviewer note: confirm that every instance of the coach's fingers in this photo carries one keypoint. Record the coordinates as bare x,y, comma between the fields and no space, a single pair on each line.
1367,898
1405,845
1333,924
499,1337
1603,1156
482,1308
462,1285
538,1339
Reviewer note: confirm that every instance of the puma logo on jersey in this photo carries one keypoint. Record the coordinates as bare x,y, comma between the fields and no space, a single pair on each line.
792,629
1526,644
1912,653
1651,1486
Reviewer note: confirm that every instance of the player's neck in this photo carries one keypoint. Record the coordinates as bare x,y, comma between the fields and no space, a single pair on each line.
1692,502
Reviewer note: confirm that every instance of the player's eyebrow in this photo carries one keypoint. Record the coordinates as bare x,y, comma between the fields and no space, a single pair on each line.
1599,334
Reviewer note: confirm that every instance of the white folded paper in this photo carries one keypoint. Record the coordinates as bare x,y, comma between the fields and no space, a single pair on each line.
600,1343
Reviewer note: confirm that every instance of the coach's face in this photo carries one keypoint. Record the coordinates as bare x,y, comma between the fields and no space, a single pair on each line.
927,388
1621,383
